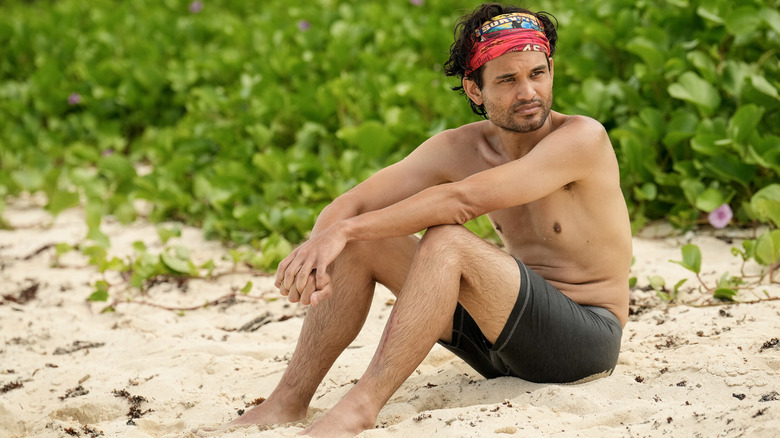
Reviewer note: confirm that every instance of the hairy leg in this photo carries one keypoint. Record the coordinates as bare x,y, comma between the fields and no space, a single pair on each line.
333,324
451,264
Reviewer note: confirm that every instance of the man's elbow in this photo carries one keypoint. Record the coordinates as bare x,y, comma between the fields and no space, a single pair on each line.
467,207
464,215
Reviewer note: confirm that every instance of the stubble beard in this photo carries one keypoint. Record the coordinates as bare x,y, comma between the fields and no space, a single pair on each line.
512,122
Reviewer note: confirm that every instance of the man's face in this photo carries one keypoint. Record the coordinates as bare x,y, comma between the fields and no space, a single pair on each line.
517,91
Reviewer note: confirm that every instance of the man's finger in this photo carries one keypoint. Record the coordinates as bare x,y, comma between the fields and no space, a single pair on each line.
303,276
294,296
322,294
289,275
282,268
308,290
322,277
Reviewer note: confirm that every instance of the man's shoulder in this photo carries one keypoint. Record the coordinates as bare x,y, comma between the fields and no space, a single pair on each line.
576,122
580,130
462,134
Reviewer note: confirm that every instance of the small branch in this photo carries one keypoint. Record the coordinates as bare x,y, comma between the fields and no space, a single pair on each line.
245,272
38,251
727,303
201,306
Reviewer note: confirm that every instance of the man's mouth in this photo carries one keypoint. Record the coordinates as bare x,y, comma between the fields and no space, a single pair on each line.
526,109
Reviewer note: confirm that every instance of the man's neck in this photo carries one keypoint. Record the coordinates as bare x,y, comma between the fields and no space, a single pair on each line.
516,145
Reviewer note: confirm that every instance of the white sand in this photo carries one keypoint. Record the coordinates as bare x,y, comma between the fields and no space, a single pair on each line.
679,374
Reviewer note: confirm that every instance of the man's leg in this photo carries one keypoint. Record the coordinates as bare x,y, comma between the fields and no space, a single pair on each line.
333,324
451,265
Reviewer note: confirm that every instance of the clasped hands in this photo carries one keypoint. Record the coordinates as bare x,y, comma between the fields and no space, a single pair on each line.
303,275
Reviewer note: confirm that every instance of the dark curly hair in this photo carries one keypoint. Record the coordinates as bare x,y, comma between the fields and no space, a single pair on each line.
460,50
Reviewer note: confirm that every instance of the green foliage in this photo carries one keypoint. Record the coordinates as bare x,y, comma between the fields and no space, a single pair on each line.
727,286
691,261
246,120
689,92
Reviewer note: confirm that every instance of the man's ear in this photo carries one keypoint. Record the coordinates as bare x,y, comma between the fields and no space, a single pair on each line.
552,68
472,91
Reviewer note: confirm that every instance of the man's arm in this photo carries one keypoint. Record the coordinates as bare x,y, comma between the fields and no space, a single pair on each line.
429,164
570,153
432,163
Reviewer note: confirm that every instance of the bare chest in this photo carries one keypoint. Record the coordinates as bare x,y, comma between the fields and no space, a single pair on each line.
548,222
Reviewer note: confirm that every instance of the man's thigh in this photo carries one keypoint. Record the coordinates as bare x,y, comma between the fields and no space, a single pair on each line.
490,279
388,260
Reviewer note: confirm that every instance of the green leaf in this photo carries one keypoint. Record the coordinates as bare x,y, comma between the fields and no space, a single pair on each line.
656,282
62,248
772,18
768,248
647,50
95,253
166,234
761,84
117,167
709,200
101,291
98,237
678,285
766,152
692,189
98,295
209,266
692,88
174,263
691,258
61,201
731,168
766,204
744,123
648,191
710,14
247,288
372,137
743,20
29,179
725,294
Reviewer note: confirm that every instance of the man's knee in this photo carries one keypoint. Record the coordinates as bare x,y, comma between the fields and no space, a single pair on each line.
358,251
444,241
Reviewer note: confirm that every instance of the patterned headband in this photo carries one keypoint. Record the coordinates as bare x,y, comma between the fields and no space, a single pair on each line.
517,32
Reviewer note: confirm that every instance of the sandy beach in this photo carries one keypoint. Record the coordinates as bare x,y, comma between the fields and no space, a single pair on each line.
68,369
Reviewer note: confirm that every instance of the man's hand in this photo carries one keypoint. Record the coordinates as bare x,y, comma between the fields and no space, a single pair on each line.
303,275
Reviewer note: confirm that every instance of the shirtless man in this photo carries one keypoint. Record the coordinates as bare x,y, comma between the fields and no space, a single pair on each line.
548,308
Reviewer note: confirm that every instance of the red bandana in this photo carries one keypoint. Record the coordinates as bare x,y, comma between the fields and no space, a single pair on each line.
516,32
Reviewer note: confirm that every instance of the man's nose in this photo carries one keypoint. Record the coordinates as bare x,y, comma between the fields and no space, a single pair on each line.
525,90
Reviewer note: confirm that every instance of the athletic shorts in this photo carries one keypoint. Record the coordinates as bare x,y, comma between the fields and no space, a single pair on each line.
548,338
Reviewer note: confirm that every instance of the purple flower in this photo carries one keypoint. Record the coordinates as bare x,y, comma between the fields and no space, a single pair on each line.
721,216
417,2
304,25
74,99
196,6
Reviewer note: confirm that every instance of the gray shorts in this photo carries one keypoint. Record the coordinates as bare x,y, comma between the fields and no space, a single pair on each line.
548,338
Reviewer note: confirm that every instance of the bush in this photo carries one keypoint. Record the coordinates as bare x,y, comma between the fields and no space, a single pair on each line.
246,119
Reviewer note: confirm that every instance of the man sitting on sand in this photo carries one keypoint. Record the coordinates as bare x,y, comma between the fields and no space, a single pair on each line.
548,308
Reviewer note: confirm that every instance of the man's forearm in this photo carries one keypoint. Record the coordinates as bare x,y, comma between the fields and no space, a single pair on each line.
334,212
437,205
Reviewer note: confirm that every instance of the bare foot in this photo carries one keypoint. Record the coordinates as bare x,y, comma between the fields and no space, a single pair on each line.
269,413
347,419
